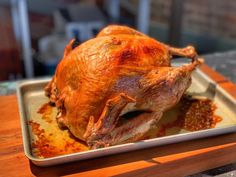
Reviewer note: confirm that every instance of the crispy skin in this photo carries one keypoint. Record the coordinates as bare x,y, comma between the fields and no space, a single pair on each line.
118,30
118,71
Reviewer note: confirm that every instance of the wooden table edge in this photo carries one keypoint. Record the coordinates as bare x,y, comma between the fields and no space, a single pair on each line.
223,82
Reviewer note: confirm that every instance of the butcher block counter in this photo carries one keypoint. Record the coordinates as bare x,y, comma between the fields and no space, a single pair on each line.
180,159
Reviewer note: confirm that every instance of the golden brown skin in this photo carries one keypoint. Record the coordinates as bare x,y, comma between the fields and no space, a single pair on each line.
117,30
120,70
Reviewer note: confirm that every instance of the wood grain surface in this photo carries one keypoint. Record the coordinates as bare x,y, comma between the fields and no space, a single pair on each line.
178,159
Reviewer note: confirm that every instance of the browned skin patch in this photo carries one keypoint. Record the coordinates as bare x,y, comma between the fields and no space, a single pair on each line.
151,51
116,41
126,56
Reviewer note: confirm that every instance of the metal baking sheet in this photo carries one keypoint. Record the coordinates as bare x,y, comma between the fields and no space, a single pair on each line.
31,97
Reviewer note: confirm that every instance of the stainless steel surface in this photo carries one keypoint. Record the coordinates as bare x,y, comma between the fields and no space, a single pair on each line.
31,92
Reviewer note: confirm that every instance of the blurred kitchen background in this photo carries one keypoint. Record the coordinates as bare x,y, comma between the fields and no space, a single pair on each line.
33,33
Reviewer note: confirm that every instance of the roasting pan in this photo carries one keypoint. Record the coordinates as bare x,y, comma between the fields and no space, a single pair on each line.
31,96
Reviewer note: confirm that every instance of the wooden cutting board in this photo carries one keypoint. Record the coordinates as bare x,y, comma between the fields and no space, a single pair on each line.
179,159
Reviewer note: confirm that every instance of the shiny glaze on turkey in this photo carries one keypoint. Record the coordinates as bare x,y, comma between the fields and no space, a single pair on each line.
119,71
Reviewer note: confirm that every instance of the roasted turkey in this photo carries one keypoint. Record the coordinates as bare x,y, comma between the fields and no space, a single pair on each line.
100,83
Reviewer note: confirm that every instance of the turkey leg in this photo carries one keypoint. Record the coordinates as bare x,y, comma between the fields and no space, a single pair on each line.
108,118
128,131
188,52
